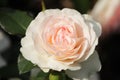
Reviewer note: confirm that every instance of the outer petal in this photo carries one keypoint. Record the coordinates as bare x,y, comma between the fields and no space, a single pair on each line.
94,33
92,23
29,52
88,67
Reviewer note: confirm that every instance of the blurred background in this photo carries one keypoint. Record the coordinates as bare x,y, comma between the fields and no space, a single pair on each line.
107,12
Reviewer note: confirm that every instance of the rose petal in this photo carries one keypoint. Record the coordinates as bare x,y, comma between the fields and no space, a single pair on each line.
88,67
30,53
93,25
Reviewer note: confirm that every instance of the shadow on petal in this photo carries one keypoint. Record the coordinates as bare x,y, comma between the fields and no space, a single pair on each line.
89,67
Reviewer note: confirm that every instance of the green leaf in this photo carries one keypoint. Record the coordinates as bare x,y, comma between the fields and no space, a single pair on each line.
37,74
24,65
82,5
88,68
14,21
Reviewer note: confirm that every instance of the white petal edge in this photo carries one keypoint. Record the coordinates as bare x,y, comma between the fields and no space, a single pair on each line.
88,67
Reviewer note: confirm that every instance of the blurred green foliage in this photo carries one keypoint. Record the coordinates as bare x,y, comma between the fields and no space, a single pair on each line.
82,5
14,21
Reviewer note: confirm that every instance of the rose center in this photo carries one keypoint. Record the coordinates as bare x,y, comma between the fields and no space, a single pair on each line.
62,37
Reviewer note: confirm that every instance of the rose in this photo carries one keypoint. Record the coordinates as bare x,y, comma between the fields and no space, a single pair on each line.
107,12
60,39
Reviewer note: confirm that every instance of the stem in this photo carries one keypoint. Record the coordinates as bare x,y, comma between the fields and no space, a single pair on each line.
43,5
55,75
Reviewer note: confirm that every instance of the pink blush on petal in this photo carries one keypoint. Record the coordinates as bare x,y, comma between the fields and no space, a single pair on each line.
63,38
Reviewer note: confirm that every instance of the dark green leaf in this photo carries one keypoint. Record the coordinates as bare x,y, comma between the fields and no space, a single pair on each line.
24,65
82,5
14,21
37,74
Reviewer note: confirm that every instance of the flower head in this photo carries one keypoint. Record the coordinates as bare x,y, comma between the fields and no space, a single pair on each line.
60,39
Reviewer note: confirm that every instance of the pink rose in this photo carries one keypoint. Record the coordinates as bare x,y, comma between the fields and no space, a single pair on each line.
107,12
60,39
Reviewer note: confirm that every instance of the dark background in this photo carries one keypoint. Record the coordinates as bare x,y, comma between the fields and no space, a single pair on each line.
108,47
